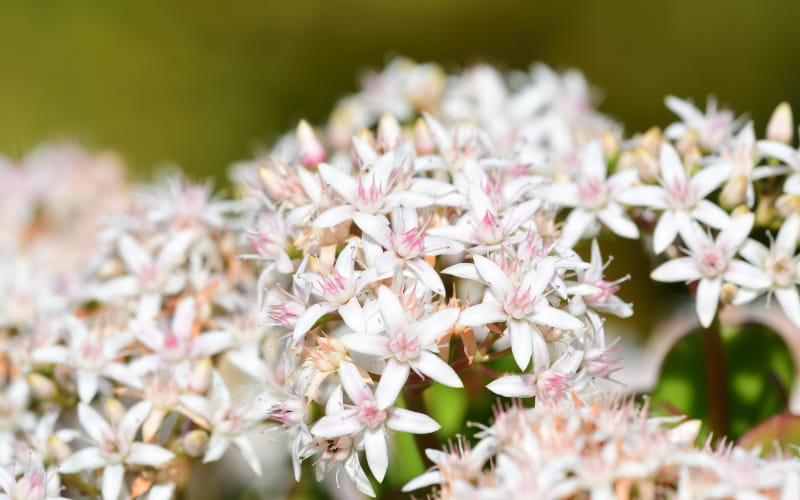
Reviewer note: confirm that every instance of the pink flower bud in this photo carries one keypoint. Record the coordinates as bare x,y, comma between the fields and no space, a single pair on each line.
781,127
309,148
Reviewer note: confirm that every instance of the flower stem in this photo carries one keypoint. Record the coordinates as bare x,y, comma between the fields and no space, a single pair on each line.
716,380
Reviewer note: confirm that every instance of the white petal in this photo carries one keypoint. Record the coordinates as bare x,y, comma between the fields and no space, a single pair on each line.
133,419
87,383
308,318
708,300
747,275
576,224
248,453
513,386
431,327
710,178
550,316
132,253
339,181
210,343
183,320
55,354
434,367
615,218
786,154
94,424
353,384
790,302
174,250
672,170
521,342
680,269
684,109
541,354
393,378
734,234
786,240
83,459
364,343
593,163
217,446
710,214
339,424
148,454
113,476
394,317
665,232
377,454
483,314
376,228
493,276
334,216
411,421
427,275
643,196
564,194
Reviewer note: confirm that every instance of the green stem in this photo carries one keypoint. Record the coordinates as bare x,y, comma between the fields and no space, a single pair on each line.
415,402
716,380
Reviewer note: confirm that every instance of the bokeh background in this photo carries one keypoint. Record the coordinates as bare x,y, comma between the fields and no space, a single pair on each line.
202,84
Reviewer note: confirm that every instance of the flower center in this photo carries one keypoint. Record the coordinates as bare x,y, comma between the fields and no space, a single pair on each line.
404,347
781,269
679,194
489,229
409,244
520,304
712,263
370,414
593,194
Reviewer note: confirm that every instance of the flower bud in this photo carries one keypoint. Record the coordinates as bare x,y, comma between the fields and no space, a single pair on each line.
42,387
781,127
728,293
309,148
423,139
195,442
788,204
734,192
647,164
390,133
609,143
201,376
58,448
115,410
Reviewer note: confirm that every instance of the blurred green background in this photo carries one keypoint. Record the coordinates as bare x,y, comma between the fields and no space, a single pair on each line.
203,83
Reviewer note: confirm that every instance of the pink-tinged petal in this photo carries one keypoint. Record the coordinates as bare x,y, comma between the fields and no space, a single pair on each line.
521,342
593,163
183,320
514,386
87,383
94,424
248,453
132,253
577,223
339,181
431,327
708,300
334,216
643,196
377,454
563,194
746,275
209,344
434,367
710,178
483,314
673,171
133,419
364,343
376,228
754,252
786,241
680,269
393,378
394,317
174,251
493,276
308,318
665,232
113,475
790,303
411,421
615,218
352,382
541,354
550,316
339,424
784,153
217,446
427,275
734,234
55,354
83,459
710,214
148,454
537,279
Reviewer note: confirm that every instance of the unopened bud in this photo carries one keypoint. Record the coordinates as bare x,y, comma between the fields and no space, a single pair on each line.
647,164
423,139
200,378
390,133
115,410
734,192
788,204
195,443
609,143
58,448
309,148
728,293
42,387
781,125
328,354
689,140
652,139
740,210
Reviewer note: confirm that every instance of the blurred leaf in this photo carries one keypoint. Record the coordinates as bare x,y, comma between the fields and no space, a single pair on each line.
760,370
448,406
783,429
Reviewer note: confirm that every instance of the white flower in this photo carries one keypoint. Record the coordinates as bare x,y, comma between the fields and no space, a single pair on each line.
92,355
714,128
372,414
681,198
32,486
593,292
787,155
780,264
712,262
521,305
593,196
545,381
407,345
114,448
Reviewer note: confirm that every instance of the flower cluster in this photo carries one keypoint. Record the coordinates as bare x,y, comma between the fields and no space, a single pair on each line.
432,232
604,450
